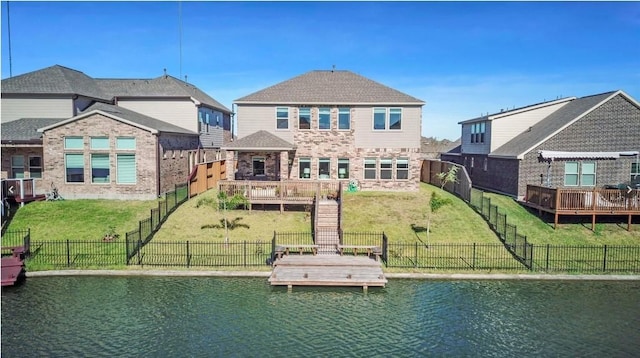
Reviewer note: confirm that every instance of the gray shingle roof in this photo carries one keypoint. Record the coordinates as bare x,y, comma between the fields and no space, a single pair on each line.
54,80
163,86
134,117
329,87
260,140
25,130
548,126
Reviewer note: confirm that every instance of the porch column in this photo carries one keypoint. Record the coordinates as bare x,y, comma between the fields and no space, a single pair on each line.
230,165
284,165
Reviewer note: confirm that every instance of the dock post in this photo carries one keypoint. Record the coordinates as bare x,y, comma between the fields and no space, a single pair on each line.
365,288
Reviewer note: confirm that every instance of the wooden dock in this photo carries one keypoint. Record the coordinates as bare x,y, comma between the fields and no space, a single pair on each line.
13,267
327,270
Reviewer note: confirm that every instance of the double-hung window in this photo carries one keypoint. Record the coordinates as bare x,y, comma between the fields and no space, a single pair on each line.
257,165
100,168
282,118
387,118
580,174
402,168
324,168
343,168
324,118
635,173
395,118
74,162
386,168
370,169
304,118
17,166
126,162
477,132
344,118
379,118
35,167
305,168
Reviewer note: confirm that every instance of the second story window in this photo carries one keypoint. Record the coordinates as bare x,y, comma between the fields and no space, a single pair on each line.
477,132
344,118
304,118
324,118
387,118
282,118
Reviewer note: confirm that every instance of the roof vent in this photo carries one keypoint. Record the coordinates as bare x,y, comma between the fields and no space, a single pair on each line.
165,73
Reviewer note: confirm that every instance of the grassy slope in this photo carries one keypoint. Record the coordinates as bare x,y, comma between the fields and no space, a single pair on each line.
539,231
80,219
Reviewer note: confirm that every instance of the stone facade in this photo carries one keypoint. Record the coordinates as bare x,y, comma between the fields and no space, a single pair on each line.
9,151
147,149
614,126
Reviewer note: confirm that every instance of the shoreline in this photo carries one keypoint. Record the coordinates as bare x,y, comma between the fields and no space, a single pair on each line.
266,274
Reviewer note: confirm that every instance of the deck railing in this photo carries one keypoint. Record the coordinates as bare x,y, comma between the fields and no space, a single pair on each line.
595,200
263,192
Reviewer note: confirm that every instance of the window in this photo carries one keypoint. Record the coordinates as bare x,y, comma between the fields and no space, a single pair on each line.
477,132
324,118
305,168
73,143
125,143
588,174
379,118
395,118
344,118
402,168
257,166
17,166
324,168
99,142
282,118
126,168
386,168
100,168
74,168
571,173
35,167
635,173
343,168
370,168
304,118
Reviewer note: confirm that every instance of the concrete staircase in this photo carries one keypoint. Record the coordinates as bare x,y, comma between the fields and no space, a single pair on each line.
326,234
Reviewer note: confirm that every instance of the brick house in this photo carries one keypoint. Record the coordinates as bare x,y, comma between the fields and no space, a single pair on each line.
329,125
585,142
111,152
57,94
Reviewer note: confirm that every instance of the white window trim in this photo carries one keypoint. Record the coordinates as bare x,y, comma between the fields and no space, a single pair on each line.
324,129
338,123
288,118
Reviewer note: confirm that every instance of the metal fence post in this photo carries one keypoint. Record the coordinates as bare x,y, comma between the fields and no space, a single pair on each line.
139,249
244,249
547,265
415,263
188,255
68,254
126,248
604,259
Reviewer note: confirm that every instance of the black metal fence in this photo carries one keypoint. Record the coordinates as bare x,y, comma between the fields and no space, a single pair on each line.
136,239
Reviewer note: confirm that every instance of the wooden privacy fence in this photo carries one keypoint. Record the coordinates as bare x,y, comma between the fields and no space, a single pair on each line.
461,187
206,176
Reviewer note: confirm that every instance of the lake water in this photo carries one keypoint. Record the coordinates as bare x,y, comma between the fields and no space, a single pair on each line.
245,317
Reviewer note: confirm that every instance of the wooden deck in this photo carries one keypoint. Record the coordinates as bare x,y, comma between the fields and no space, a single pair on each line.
13,266
327,270
593,202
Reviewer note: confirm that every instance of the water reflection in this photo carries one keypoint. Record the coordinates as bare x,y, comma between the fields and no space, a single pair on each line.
245,317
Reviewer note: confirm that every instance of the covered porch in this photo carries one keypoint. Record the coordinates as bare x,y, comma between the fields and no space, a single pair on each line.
623,201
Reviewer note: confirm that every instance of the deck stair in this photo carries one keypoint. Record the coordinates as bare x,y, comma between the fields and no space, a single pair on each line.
326,234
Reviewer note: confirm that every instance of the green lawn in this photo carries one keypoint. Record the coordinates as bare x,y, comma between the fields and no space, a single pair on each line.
571,231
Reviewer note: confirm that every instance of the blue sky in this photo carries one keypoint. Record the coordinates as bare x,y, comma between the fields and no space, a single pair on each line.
462,58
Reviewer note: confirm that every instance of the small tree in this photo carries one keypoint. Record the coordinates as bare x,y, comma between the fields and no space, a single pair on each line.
436,202
225,202
450,176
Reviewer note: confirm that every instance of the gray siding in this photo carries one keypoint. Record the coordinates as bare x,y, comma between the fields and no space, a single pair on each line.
475,148
16,108
407,137
253,118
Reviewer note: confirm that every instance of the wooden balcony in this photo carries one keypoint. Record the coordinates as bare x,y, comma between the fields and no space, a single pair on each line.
298,192
593,202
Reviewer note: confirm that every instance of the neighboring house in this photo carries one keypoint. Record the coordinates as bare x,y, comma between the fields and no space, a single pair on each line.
591,141
432,148
111,152
329,125
41,98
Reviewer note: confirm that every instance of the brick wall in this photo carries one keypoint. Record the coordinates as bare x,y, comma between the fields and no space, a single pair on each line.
98,125
174,165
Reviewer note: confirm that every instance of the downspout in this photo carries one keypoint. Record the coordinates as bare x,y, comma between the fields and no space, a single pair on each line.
158,165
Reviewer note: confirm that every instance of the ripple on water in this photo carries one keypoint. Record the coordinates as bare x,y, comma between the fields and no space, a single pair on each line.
245,317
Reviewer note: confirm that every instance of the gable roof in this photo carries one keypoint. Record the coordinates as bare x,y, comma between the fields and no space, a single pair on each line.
25,130
163,86
260,141
54,80
553,124
126,116
509,112
329,87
